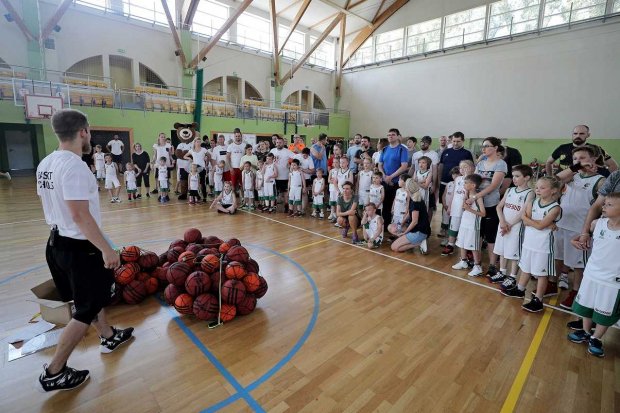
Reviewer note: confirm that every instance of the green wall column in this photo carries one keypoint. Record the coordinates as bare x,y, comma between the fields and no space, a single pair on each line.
277,96
188,74
36,52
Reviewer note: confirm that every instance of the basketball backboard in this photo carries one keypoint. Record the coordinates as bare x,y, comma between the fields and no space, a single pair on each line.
42,107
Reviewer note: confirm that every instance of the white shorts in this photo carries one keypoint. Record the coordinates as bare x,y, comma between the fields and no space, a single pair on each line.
248,193
111,182
131,185
363,198
163,184
445,217
101,173
601,298
218,186
537,263
565,251
469,239
294,194
261,193
318,200
269,191
333,196
508,245
455,223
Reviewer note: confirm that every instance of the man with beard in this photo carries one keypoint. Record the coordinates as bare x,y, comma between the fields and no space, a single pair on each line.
220,153
564,153
365,151
80,259
282,157
234,152
357,140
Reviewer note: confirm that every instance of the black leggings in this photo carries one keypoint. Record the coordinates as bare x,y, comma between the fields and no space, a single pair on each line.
146,180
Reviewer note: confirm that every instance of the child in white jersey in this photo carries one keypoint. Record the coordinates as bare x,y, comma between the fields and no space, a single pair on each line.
226,201
468,238
376,193
270,173
424,178
194,184
162,179
218,177
372,224
131,172
455,208
400,207
334,192
247,183
259,184
364,179
344,173
296,188
446,200
599,293
99,159
111,179
537,255
318,194
510,229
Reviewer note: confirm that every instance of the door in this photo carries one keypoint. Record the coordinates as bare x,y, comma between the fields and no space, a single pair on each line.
19,148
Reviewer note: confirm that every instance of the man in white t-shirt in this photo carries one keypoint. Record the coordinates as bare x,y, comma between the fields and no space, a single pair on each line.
234,153
220,153
306,166
116,148
425,150
282,158
80,259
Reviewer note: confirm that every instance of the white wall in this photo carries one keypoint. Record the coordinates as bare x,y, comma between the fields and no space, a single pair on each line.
539,87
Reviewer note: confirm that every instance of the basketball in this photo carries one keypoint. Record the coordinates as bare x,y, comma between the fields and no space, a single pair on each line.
178,243
134,292
212,241
210,263
224,247
130,253
233,291
151,284
148,261
206,251
233,241
177,273
184,304
251,282
247,305
160,274
262,288
171,293
163,258
174,253
192,235
206,307
197,283
141,276
195,248
228,312
126,273
187,257
235,270
252,266
118,294
215,282
238,253
165,265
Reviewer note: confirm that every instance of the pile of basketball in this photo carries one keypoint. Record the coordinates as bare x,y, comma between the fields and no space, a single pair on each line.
197,268
135,278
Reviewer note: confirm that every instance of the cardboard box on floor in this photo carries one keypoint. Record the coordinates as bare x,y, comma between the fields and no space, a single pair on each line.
53,309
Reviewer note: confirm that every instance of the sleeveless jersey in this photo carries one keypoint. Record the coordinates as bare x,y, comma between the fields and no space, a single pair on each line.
248,181
259,178
373,226
515,202
456,207
375,196
194,182
227,198
99,160
130,179
539,240
400,202
269,171
605,244
317,186
333,175
343,176
296,179
162,177
110,170
578,195
365,179
422,177
469,220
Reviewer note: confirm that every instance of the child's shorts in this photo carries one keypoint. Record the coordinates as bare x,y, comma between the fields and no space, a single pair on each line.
537,263
469,239
508,245
193,192
248,193
112,182
453,229
597,301
565,251
294,196
101,173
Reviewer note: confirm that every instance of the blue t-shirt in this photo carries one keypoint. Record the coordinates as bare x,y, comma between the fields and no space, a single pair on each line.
392,158
351,155
320,163
450,158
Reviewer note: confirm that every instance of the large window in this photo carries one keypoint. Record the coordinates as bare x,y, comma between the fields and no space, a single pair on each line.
616,6
209,17
464,27
389,45
513,16
324,54
296,45
254,31
96,4
147,10
423,37
565,11
363,55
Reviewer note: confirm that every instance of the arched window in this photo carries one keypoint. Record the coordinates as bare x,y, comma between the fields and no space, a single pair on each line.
91,66
149,78
251,92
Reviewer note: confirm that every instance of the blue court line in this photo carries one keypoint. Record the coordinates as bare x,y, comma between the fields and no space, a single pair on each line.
19,274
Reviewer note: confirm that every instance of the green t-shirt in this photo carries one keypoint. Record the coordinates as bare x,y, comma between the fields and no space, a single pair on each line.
346,205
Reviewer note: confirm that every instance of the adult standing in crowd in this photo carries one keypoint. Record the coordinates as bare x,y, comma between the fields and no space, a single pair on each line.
352,150
382,143
412,147
450,158
142,160
319,154
220,153
161,149
392,163
425,150
79,257
306,166
282,157
116,148
443,145
492,169
297,145
512,157
365,151
564,153
199,156
262,149
336,151
234,153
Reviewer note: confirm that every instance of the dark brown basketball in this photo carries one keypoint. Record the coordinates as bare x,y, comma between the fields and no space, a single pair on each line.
130,253
206,251
171,293
235,270
233,291
197,283
165,265
247,305
195,248
233,241
160,274
252,266
262,288
184,304
126,273
163,258
177,273
206,307
178,243
174,253
238,253
134,292
148,261
210,263
192,235
152,285
141,276
215,282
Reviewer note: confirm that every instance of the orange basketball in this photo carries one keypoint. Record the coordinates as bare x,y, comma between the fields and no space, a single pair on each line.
195,248
262,288
187,257
210,263
235,270
233,241
251,282
177,243
126,273
228,312
134,292
174,253
233,292
130,253
184,304
151,284
171,292
224,247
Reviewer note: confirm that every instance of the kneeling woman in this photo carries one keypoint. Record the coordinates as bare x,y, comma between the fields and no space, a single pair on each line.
419,228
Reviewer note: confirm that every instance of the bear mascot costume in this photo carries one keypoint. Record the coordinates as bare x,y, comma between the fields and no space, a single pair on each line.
186,132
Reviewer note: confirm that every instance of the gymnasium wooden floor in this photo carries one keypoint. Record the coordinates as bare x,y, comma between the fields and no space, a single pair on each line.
341,329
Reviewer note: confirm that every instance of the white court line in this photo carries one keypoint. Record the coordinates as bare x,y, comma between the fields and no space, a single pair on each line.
456,277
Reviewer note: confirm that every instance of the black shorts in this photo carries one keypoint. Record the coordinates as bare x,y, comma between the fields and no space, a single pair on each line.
117,158
281,185
146,178
193,192
442,189
79,274
488,224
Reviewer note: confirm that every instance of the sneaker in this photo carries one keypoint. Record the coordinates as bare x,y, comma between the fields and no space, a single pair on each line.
344,232
578,325
534,306
112,201
578,336
337,225
563,282
154,191
139,196
595,347
330,217
568,302
313,214
461,265
8,176
424,247
491,271
476,271
252,208
443,242
447,250
508,283
321,215
69,378
513,292
148,195
119,337
497,278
